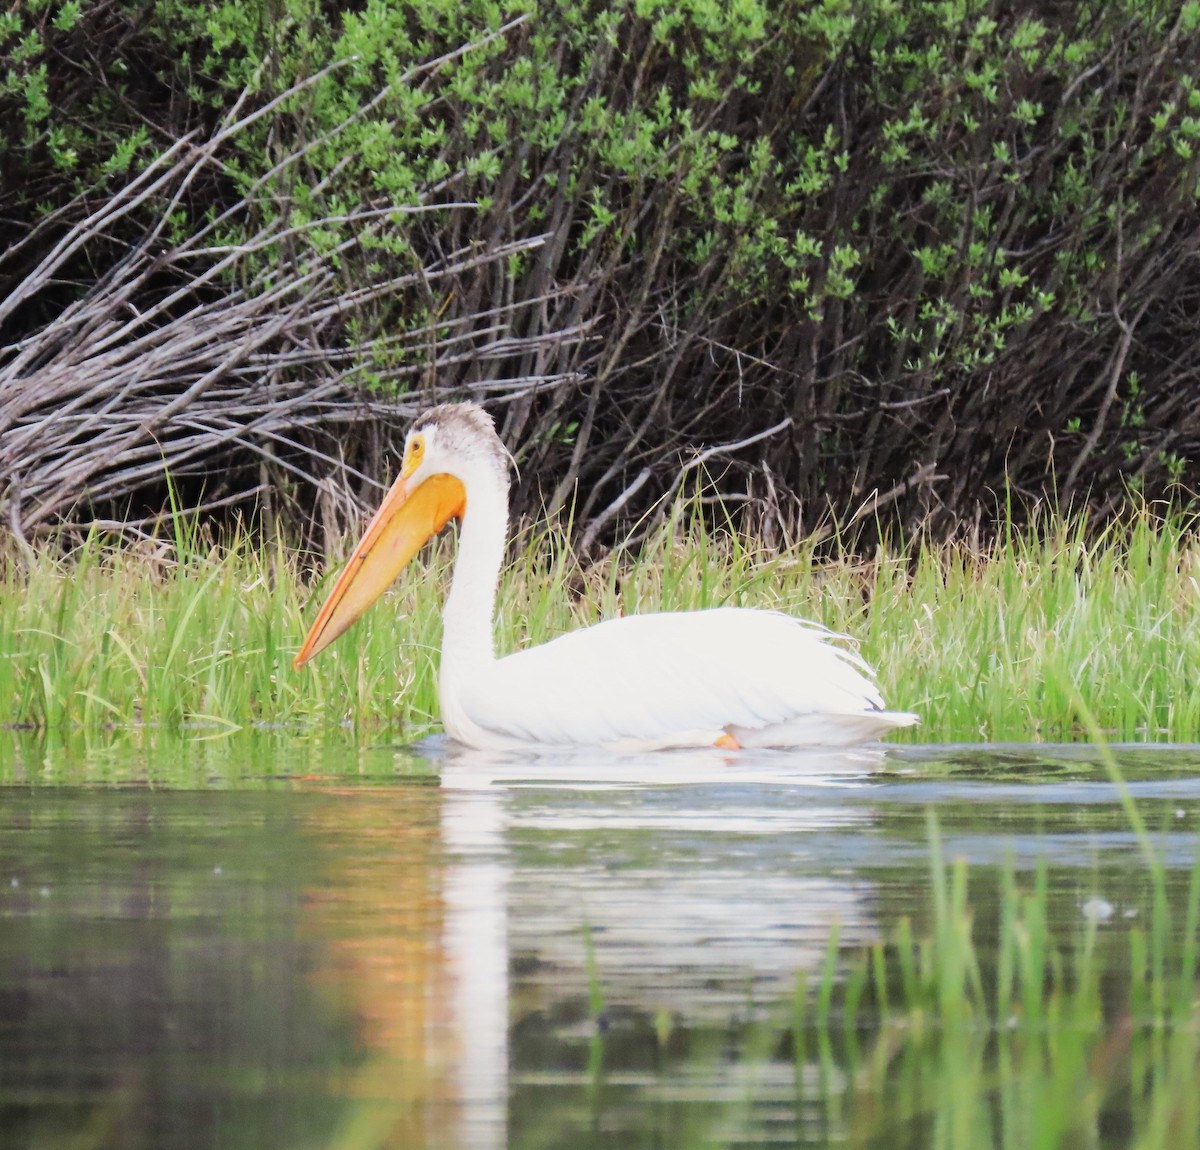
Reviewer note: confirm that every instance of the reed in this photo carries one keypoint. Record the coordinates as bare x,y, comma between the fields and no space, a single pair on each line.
990,643
1045,1032
1061,1036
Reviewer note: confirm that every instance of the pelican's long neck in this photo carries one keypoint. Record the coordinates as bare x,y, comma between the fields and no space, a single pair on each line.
468,616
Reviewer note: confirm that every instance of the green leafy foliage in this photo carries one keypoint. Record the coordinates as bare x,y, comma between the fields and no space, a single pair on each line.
938,238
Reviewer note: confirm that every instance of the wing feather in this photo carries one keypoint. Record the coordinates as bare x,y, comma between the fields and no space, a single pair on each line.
662,677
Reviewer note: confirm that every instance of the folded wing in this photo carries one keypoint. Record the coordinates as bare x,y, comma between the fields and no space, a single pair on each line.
683,679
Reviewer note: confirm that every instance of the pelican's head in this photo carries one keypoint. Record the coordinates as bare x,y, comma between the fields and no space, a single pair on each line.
455,439
448,449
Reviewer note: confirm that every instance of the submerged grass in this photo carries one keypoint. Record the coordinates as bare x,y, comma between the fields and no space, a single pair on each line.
991,644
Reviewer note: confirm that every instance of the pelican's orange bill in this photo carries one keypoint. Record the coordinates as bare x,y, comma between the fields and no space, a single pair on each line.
404,521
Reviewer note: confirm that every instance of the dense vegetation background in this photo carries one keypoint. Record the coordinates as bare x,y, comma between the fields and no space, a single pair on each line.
836,262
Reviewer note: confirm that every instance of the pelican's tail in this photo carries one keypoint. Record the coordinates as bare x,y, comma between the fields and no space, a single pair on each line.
825,730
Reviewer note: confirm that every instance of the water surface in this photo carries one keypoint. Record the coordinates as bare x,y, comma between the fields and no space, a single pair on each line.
271,941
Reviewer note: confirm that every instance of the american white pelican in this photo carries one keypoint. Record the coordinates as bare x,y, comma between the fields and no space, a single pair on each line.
730,677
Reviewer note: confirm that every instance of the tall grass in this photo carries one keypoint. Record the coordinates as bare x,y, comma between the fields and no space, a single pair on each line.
1065,1032
998,1022
984,644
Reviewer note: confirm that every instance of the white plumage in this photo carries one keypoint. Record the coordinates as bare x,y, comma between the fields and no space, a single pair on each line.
729,676
677,679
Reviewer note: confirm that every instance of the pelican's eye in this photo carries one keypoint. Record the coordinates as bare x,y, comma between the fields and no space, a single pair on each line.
414,453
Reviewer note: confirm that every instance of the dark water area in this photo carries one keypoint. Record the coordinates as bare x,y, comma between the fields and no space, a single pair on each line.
272,942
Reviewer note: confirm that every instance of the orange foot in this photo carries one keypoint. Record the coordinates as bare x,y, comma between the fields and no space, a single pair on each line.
728,743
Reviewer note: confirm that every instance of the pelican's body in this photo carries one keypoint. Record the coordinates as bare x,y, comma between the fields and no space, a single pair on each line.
728,677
